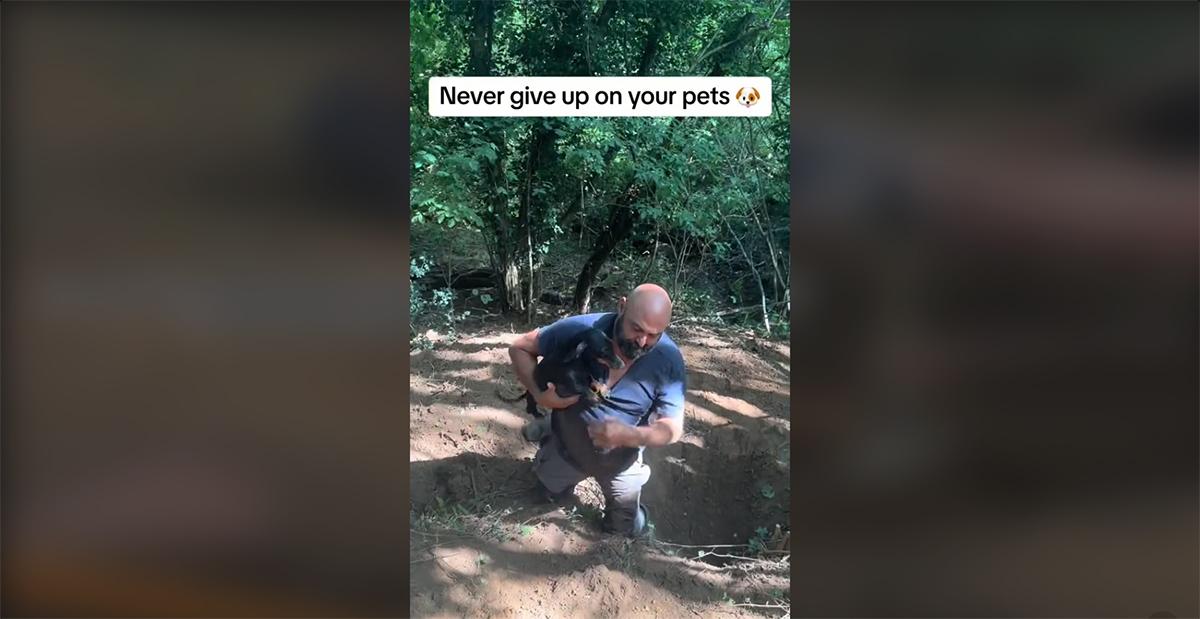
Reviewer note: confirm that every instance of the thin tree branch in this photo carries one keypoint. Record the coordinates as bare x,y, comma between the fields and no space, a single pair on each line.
704,545
749,32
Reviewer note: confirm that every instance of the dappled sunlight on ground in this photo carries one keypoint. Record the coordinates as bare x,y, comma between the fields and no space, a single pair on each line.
731,404
509,555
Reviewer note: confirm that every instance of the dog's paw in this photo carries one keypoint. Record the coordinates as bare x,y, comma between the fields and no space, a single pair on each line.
600,389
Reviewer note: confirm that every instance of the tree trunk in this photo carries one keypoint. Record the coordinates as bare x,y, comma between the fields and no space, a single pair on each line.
541,154
514,300
650,50
723,55
526,226
605,13
508,274
480,39
620,224
681,256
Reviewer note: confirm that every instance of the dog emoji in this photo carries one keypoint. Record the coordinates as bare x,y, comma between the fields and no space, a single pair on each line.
747,96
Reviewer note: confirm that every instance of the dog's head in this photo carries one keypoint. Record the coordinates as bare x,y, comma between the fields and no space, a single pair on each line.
595,345
747,96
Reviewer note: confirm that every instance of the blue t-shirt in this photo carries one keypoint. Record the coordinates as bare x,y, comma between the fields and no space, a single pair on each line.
654,383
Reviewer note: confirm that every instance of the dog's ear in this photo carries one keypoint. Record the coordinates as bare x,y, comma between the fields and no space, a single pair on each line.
597,341
574,354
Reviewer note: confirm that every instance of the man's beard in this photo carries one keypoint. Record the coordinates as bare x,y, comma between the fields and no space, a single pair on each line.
628,347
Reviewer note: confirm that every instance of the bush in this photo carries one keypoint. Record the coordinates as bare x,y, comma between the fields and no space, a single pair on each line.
429,307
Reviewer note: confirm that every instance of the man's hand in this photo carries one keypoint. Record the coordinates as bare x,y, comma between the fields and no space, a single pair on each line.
613,433
550,398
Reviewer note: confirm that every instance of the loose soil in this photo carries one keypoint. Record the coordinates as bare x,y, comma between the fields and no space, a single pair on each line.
482,545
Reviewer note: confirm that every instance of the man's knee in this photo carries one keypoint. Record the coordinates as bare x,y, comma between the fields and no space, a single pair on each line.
627,486
624,512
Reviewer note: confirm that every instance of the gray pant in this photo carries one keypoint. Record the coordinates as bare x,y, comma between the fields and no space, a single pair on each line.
622,491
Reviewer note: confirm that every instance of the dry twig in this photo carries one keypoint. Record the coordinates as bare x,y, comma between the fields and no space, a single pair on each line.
704,545
780,606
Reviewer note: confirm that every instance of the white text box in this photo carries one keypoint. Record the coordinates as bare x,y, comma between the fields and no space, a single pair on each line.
600,96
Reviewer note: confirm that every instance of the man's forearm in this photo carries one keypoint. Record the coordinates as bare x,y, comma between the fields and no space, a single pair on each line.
653,435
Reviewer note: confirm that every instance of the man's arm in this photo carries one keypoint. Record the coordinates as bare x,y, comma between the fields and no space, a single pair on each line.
613,433
666,429
524,354
661,432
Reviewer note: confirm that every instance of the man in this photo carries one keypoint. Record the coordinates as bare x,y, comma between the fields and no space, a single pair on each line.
644,406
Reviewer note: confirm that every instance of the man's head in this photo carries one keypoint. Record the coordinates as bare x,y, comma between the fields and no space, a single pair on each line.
642,317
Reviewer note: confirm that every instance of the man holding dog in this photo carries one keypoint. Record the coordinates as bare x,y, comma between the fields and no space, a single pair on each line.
643,407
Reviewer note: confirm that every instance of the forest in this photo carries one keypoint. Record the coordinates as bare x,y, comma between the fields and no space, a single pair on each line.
510,214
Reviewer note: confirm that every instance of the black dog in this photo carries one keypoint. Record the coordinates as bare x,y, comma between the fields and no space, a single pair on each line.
582,371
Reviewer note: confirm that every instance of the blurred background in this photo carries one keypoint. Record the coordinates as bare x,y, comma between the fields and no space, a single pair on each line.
205,248
994,337
994,309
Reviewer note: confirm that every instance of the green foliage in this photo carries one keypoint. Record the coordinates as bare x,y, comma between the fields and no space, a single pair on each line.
443,516
701,183
429,308
417,302
758,543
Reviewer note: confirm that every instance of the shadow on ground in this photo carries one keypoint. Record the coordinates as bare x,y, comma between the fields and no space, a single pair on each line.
482,522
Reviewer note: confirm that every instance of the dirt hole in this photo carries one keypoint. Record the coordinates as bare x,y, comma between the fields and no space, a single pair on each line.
724,491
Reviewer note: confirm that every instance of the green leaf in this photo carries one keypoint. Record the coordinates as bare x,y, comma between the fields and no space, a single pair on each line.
488,151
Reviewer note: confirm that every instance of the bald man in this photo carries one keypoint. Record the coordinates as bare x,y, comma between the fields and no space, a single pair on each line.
644,407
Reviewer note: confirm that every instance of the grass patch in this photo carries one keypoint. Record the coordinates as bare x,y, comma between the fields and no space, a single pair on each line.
467,518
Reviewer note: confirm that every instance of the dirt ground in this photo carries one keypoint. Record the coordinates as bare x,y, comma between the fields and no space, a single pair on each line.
483,546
